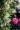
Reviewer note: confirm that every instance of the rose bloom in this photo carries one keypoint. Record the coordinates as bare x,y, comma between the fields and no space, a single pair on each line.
15,20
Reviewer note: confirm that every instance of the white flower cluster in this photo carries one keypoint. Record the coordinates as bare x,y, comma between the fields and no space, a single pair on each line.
10,1
7,15
18,6
7,5
19,1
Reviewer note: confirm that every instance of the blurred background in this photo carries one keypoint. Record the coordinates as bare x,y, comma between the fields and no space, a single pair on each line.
6,13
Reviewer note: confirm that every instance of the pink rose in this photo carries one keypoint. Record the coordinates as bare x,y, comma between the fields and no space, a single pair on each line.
15,20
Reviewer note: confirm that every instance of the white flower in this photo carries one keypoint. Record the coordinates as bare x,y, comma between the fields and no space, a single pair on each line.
19,0
5,3
8,6
2,25
18,6
11,0
6,16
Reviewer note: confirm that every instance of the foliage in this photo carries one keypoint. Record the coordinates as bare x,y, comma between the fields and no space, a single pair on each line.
6,12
